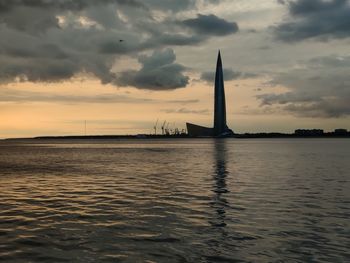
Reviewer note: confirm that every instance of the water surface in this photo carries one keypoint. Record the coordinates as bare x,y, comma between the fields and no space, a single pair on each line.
184,200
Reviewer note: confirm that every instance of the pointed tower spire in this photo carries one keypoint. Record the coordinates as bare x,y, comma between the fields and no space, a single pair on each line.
220,128
219,103
219,63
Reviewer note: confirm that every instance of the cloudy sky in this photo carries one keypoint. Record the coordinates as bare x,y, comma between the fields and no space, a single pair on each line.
122,64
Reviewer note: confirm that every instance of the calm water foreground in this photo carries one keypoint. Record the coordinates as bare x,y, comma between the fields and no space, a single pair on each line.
279,200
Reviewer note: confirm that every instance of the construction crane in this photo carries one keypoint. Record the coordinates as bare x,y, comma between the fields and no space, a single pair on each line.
173,132
167,129
163,127
155,127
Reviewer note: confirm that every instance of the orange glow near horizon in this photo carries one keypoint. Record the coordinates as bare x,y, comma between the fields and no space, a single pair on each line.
62,108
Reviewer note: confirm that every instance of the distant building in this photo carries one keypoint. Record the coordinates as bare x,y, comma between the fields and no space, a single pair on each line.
310,132
340,132
220,127
199,131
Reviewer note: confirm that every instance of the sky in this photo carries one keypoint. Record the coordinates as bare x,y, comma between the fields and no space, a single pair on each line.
120,65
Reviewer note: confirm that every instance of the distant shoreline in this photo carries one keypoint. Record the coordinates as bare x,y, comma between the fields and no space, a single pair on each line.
183,136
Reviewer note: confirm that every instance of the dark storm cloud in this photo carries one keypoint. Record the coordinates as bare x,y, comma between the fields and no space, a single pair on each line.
315,19
321,88
303,7
6,5
53,40
32,49
211,25
39,15
159,72
43,70
229,74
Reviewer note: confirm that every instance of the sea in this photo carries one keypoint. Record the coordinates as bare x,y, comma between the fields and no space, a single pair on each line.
175,200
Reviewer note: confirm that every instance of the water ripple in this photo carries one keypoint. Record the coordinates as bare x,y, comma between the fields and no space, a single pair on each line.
175,201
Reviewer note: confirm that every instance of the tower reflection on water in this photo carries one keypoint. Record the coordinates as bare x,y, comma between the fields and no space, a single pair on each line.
219,202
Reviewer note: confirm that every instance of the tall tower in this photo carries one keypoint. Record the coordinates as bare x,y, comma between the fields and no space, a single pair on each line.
220,127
